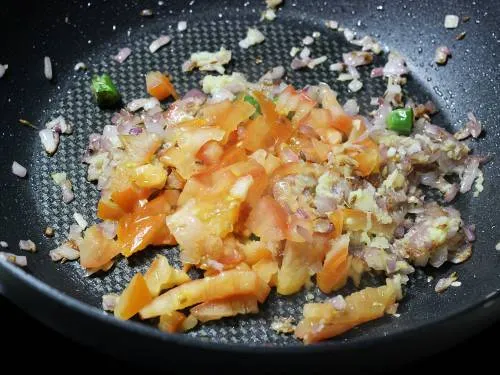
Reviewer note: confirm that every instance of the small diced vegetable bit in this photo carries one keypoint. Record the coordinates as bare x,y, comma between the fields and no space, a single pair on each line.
135,296
401,120
105,91
159,86
333,275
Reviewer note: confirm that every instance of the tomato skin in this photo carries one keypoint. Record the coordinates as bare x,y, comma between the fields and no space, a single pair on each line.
109,210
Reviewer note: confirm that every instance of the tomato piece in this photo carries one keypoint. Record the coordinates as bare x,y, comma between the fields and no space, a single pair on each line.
214,310
135,296
161,275
210,153
171,322
337,219
294,272
108,210
145,226
150,176
268,220
368,158
224,285
323,322
141,148
96,249
267,269
127,199
342,122
159,86
333,275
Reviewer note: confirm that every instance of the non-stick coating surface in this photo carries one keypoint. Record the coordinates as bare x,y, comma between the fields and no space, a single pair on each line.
92,33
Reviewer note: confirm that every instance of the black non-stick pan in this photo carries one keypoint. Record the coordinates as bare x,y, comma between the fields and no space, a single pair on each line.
91,31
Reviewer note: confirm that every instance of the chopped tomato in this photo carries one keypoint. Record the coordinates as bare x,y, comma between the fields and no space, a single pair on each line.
342,122
159,86
268,220
210,153
224,285
337,219
152,176
171,322
294,272
368,158
161,275
145,226
267,269
219,309
96,249
141,148
128,199
333,275
322,321
135,296
108,210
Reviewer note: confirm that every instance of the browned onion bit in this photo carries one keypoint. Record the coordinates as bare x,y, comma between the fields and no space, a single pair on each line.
27,123
49,232
147,13
461,35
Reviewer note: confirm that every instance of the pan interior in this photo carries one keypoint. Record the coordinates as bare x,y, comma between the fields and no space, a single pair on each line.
74,101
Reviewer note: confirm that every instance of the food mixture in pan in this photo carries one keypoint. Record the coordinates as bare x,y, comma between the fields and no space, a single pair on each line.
265,185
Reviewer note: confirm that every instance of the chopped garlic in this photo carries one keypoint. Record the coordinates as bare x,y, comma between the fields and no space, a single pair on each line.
235,83
253,37
283,325
451,21
478,185
308,40
109,301
269,15
445,282
497,246
334,25
294,51
206,61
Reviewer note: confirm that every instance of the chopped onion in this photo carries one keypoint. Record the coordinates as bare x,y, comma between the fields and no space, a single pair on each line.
274,74
268,14
27,245
158,43
4,244
67,191
396,66
181,26
21,261
3,69
357,58
351,107
474,125
345,77
355,85
469,231
80,220
60,125
451,21
109,302
334,25
146,103
445,282
18,169
122,54
50,140
80,66
337,67
108,228
377,72
469,175
47,67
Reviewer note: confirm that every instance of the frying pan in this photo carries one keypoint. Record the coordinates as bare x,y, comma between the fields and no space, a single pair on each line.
90,32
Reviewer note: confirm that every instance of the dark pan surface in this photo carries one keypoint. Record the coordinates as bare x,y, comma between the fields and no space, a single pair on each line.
468,82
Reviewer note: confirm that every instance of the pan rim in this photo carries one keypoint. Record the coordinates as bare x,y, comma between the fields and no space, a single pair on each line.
188,341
